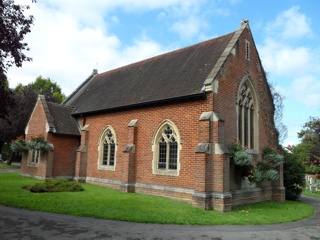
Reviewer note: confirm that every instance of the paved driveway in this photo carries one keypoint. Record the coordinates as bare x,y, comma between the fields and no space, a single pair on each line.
24,224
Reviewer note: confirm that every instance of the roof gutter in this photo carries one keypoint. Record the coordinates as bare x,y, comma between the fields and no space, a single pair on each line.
201,95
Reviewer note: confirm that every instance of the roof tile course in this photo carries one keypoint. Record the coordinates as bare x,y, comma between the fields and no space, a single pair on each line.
171,75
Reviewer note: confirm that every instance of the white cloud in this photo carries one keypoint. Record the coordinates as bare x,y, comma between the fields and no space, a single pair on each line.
283,59
70,38
189,27
288,53
291,24
142,49
66,50
306,89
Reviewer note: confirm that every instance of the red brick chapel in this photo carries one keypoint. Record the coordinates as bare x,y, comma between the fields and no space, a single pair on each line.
162,126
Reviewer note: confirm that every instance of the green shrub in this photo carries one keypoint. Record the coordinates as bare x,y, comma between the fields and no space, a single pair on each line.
258,175
314,169
55,185
293,176
242,158
271,175
271,155
6,152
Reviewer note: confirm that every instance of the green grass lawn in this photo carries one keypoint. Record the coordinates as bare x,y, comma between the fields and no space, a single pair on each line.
308,193
100,202
4,165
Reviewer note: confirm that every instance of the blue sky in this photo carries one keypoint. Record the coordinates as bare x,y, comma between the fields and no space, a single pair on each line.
71,38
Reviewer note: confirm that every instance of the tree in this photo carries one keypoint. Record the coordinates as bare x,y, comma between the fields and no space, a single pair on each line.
310,141
302,152
14,25
6,96
25,98
17,118
45,86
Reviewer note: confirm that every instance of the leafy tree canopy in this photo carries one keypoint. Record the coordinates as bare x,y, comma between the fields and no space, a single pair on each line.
14,25
309,149
46,87
6,96
311,130
25,98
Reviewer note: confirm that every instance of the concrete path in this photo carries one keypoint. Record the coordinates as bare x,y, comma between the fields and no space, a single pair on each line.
25,224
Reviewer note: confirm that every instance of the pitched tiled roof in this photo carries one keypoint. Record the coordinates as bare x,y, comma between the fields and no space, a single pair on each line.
59,118
176,74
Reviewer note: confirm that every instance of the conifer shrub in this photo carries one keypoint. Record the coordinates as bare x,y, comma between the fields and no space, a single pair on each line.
293,176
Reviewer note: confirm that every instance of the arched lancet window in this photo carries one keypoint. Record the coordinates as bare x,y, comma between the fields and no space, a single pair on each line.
166,150
247,116
107,149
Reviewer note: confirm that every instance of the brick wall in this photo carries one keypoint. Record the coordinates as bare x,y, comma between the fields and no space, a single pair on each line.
57,163
184,115
64,154
36,126
205,179
210,176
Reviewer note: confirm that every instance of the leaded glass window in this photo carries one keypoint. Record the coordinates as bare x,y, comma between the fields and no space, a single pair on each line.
167,149
246,116
108,149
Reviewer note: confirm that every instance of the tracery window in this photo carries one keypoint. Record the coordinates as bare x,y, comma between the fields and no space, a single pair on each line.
166,153
247,117
107,148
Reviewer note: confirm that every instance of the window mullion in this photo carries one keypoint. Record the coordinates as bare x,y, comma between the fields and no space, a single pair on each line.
242,125
109,152
249,128
168,155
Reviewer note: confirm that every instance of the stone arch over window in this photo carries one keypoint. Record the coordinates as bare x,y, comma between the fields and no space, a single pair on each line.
166,146
107,149
247,115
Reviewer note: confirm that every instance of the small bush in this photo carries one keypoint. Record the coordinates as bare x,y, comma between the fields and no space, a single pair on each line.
6,152
314,169
271,175
293,176
242,158
55,185
258,175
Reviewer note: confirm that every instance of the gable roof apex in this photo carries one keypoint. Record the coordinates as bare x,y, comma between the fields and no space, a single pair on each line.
212,75
47,113
244,22
59,119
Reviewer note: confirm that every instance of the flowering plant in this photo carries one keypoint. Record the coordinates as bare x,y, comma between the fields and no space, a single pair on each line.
18,145
38,143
